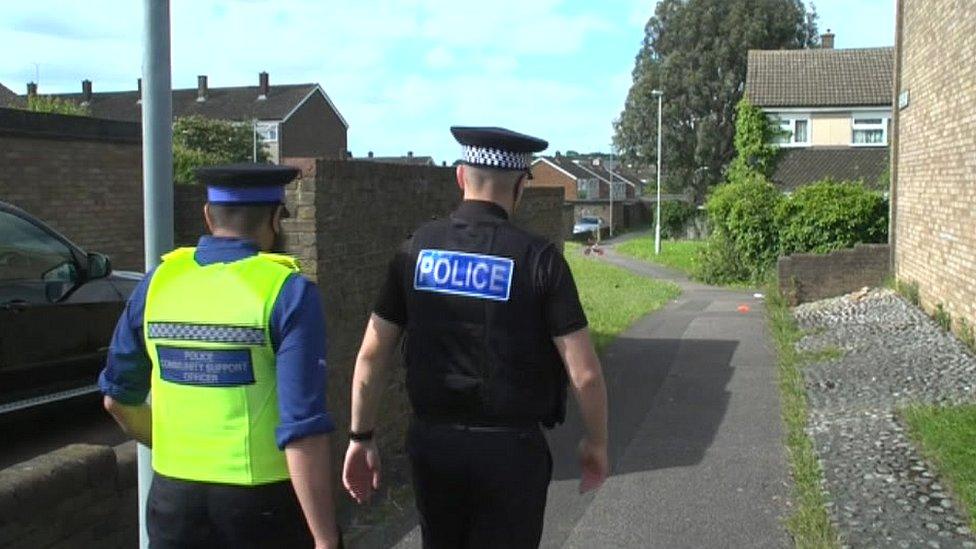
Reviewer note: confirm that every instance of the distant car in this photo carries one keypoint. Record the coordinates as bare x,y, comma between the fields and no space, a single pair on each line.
58,309
587,225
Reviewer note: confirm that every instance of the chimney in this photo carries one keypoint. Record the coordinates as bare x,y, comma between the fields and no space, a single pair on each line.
263,86
409,154
31,89
444,163
86,92
827,40
370,155
139,88
202,88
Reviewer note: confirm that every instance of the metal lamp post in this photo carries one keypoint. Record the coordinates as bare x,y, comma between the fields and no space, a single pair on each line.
657,214
610,166
157,169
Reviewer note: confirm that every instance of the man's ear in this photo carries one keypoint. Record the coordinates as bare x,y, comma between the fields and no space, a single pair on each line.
460,177
519,188
208,218
276,217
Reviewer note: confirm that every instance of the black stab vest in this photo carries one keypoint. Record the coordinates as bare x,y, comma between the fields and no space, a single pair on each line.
478,361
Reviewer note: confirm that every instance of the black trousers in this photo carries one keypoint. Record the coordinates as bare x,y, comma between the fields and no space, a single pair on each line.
187,514
479,487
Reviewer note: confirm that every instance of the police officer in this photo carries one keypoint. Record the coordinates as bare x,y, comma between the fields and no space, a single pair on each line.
494,328
231,341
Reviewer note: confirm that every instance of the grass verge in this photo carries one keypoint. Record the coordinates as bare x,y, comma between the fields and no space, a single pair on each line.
809,524
612,297
946,435
681,255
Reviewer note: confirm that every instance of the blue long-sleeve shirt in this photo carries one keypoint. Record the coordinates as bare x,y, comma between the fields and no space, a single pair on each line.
297,336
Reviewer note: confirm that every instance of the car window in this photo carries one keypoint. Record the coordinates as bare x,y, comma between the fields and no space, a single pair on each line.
28,254
589,220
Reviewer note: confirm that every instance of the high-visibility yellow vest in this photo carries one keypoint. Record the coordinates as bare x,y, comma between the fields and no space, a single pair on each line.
214,389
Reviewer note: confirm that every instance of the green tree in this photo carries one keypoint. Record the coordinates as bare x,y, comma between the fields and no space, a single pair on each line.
55,105
199,141
695,51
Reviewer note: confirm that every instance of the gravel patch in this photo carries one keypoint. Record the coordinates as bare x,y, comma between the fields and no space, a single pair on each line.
882,492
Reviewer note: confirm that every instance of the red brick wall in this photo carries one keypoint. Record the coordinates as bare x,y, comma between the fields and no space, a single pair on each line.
544,175
88,189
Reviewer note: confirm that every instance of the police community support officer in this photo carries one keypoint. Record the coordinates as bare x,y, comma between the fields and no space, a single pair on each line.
493,324
231,341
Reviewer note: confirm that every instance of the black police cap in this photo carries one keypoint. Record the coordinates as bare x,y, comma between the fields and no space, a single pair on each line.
497,147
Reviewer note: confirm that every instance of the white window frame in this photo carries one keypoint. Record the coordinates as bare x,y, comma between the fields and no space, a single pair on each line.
883,126
265,130
619,190
787,122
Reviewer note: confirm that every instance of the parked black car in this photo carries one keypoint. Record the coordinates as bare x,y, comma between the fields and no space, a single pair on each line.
58,308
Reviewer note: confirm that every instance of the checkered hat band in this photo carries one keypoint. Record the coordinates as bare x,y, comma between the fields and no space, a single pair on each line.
212,333
495,158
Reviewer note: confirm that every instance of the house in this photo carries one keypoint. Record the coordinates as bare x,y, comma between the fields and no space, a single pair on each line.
409,159
587,183
293,120
933,173
834,107
582,178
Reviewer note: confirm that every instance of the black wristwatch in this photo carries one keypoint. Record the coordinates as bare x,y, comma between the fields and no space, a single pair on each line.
361,437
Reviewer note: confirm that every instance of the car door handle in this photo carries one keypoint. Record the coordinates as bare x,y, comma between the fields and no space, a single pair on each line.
14,305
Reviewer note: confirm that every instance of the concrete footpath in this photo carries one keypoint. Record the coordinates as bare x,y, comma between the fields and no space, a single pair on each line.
695,435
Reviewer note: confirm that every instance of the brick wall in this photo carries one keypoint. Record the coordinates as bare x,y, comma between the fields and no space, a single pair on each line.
82,176
349,217
810,277
934,171
78,496
545,175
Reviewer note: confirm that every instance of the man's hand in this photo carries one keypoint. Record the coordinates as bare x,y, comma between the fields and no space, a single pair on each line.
361,473
595,465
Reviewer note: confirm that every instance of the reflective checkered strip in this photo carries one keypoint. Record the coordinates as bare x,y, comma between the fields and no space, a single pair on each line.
497,158
215,333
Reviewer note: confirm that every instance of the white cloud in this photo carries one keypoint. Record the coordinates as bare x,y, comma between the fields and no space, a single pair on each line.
440,58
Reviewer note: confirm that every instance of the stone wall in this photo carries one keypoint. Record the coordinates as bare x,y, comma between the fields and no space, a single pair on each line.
82,176
811,277
78,496
934,146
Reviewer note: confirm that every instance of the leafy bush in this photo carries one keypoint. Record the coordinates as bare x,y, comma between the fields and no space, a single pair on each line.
199,141
753,135
56,105
827,216
674,217
720,263
742,213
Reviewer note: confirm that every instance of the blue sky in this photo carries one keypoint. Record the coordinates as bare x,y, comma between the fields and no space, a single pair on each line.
400,71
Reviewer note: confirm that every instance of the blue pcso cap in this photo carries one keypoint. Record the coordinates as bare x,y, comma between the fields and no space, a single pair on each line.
246,183
497,148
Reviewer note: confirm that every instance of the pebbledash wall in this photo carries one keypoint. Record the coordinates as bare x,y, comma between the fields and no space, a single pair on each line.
934,154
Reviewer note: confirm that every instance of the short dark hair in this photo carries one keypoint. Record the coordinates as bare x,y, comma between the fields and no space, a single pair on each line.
243,219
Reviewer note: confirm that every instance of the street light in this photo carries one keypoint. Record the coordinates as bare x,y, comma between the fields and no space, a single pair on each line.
610,166
657,215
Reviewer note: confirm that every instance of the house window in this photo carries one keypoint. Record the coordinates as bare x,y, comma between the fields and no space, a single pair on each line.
869,130
795,131
267,131
587,189
619,190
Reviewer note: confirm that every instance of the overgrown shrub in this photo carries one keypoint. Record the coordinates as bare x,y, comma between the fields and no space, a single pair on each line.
828,216
56,105
675,217
720,263
742,215
199,141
